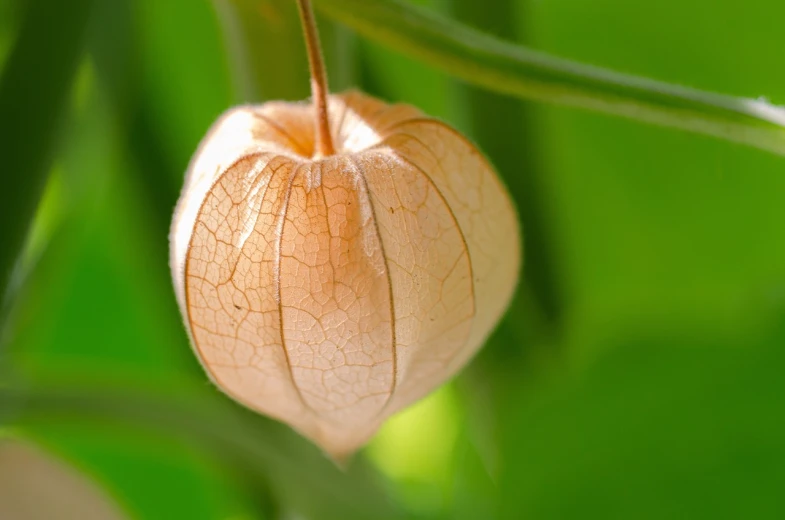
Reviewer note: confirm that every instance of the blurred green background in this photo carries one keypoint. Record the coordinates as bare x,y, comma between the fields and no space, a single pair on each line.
640,372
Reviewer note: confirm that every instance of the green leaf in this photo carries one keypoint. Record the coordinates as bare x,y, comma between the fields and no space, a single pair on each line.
513,69
33,91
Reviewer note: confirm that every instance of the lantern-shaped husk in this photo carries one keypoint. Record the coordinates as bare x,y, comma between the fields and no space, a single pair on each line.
332,292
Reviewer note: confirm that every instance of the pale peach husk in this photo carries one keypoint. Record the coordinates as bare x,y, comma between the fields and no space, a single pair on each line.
332,292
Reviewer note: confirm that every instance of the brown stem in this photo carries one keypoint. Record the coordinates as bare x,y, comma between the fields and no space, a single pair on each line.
319,89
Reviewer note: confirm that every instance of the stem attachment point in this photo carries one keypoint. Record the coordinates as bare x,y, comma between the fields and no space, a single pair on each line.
319,89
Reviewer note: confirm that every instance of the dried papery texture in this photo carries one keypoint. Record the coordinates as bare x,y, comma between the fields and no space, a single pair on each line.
332,292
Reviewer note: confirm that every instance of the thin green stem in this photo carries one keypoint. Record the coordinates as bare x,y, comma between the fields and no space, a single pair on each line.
516,70
319,89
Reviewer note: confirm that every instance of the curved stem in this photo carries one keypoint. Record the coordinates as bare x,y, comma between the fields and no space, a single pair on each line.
516,70
319,89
